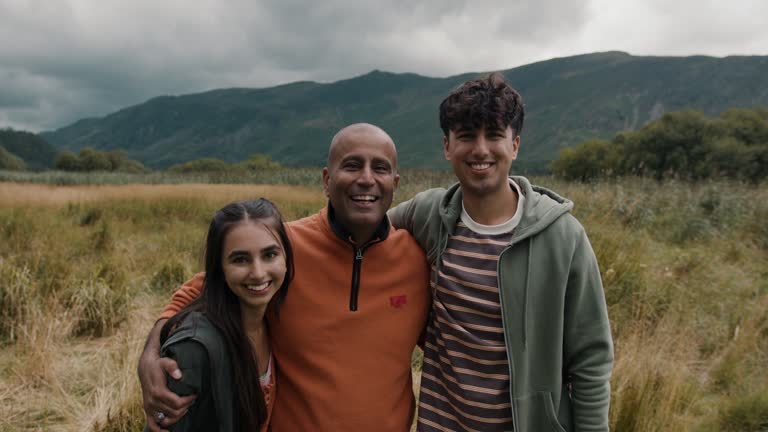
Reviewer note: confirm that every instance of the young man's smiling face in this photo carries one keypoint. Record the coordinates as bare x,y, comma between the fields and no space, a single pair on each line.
481,158
360,178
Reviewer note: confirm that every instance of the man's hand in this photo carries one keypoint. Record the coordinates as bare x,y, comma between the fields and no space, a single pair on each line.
154,386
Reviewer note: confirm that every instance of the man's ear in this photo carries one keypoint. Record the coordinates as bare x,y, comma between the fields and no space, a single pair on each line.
446,151
326,180
515,146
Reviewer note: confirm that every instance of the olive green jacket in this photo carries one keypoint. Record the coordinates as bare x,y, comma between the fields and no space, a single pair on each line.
201,355
554,314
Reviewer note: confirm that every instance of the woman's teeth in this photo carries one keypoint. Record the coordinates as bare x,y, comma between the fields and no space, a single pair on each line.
259,287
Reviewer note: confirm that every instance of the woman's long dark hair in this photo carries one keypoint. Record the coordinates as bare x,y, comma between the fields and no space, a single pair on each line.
222,308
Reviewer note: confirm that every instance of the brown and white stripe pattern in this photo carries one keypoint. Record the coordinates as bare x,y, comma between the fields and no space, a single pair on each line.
465,378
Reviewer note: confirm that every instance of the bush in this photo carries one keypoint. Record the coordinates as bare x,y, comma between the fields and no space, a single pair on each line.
90,160
16,293
588,161
68,161
745,414
101,307
683,144
201,165
170,275
257,162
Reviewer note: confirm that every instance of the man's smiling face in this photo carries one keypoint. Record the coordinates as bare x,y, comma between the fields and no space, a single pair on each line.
360,178
481,158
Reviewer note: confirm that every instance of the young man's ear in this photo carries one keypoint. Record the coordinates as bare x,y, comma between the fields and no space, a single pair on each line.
515,146
446,151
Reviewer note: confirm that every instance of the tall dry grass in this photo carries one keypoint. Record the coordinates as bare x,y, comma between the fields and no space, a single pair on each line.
85,269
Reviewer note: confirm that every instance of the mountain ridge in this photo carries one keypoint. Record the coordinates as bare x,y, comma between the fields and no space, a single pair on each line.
568,100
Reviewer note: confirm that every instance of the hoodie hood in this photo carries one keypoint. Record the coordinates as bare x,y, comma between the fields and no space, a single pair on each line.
542,208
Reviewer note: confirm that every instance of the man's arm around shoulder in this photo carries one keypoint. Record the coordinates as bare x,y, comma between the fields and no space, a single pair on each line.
152,369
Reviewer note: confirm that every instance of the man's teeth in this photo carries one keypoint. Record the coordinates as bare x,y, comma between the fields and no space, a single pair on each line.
259,287
480,166
363,198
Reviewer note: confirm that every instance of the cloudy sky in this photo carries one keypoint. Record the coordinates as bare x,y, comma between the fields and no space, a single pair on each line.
62,60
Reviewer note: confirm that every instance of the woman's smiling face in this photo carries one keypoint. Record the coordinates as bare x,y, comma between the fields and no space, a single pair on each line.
253,261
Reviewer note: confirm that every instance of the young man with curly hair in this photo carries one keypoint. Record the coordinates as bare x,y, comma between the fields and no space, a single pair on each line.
519,337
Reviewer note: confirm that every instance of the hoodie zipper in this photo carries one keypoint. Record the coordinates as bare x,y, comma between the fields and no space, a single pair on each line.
510,360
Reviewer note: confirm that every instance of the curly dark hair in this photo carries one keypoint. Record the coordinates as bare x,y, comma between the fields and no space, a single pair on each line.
487,101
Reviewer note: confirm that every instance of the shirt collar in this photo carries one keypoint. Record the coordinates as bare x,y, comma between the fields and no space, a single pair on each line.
381,233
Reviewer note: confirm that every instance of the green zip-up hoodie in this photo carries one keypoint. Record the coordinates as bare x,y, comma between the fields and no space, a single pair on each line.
554,314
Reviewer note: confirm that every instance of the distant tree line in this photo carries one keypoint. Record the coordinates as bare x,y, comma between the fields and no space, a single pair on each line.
684,144
256,162
90,159
30,149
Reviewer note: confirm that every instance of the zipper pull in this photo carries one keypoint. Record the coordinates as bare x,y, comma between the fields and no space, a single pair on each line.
359,254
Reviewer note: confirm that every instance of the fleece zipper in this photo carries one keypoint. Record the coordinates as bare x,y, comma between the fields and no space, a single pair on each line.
357,264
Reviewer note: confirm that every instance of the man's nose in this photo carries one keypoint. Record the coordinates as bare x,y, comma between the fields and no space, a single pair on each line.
480,149
366,176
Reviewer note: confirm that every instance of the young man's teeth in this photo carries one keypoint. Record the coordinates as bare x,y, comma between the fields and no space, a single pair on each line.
259,287
364,198
480,166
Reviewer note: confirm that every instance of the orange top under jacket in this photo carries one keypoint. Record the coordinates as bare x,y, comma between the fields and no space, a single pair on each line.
342,370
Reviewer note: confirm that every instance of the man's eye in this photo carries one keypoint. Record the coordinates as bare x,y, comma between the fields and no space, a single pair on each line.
271,254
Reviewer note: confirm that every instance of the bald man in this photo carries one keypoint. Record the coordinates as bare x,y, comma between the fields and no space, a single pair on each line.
353,314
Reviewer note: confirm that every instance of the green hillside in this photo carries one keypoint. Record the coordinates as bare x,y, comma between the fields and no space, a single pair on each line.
567,100
34,150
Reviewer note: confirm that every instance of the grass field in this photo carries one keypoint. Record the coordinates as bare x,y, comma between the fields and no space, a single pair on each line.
85,268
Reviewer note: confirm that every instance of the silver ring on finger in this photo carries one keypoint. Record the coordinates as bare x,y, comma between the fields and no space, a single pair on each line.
159,416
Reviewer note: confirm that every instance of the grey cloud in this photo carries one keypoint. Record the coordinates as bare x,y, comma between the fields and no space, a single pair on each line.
66,59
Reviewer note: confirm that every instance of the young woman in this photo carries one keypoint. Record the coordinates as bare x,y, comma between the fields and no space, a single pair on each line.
220,340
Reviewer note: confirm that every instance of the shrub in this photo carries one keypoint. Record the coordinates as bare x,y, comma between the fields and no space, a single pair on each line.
101,239
588,161
101,307
16,294
745,414
67,161
170,275
91,216
200,165
257,162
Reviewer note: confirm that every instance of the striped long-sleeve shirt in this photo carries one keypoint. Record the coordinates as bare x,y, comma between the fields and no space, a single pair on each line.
465,377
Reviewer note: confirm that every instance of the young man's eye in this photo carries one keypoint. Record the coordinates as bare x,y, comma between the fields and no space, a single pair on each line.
271,254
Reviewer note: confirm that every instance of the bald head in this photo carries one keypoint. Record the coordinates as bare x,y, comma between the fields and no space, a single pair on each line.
361,178
361,133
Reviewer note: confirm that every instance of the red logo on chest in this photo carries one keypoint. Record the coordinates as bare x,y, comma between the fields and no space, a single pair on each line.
398,301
